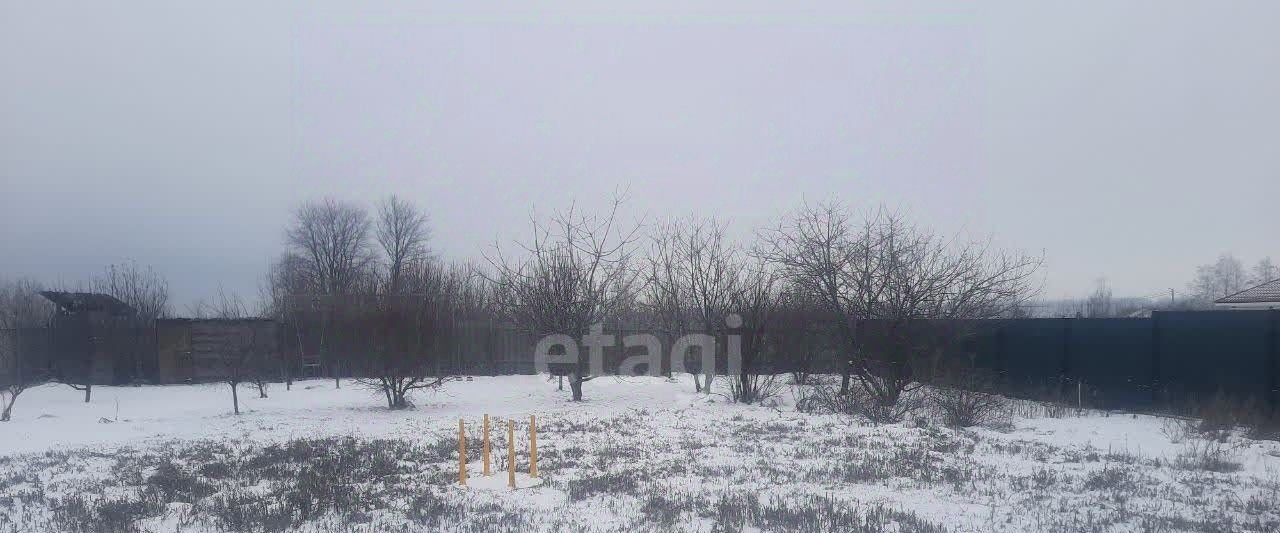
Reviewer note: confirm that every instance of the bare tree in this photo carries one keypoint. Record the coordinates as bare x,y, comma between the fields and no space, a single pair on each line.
146,292
333,237
927,287
1223,277
1263,272
410,329
225,306
246,353
692,274
897,291
576,273
754,305
143,289
254,366
1099,304
21,310
402,233
287,281
820,255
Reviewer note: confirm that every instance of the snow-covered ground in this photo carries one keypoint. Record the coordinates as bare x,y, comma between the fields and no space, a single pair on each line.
639,454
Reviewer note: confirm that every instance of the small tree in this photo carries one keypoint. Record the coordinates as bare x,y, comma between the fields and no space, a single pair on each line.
21,308
576,273
245,353
408,329
754,304
692,274
146,292
887,283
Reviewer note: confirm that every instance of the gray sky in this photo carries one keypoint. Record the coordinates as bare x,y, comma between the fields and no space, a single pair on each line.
1132,140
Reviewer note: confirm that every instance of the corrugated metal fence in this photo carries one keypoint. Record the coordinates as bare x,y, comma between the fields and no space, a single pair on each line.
1170,358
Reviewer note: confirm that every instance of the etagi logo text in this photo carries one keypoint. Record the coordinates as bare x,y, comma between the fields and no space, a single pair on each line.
596,341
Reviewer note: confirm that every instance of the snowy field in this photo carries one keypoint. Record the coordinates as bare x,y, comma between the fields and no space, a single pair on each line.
641,454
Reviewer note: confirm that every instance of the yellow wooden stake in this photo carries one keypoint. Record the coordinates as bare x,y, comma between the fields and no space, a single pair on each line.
486,445
533,446
511,453
462,453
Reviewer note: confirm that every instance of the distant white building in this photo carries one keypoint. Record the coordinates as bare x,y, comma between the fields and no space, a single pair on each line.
1265,296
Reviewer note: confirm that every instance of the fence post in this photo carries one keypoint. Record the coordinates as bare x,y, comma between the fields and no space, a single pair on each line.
462,453
486,445
511,453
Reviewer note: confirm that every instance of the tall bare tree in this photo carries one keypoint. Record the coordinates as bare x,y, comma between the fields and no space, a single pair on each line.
574,273
402,233
1223,277
333,236
1263,272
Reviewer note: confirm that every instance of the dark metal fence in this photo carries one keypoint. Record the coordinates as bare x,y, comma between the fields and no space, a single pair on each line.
1169,359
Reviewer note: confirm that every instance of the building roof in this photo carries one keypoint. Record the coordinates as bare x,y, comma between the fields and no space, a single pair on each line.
87,301
1268,292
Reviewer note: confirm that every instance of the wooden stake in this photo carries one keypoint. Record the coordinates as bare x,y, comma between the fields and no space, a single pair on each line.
533,446
462,453
511,453
486,445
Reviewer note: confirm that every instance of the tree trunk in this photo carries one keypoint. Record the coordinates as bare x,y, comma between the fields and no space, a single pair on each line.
559,382
844,382
575,383
88,391
697,383
235,398
262,389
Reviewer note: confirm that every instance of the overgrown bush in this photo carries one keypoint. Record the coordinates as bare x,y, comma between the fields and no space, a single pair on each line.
968,398
826,396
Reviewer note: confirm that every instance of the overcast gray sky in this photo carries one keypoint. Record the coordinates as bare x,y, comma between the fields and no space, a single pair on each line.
1132,140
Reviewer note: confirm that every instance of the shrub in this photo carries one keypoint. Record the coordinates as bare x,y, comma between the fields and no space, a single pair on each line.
968,399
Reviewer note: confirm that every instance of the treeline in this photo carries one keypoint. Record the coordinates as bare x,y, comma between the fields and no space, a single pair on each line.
365,296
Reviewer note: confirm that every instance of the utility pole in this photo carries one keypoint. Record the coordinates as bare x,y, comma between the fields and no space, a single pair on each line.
1172,300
